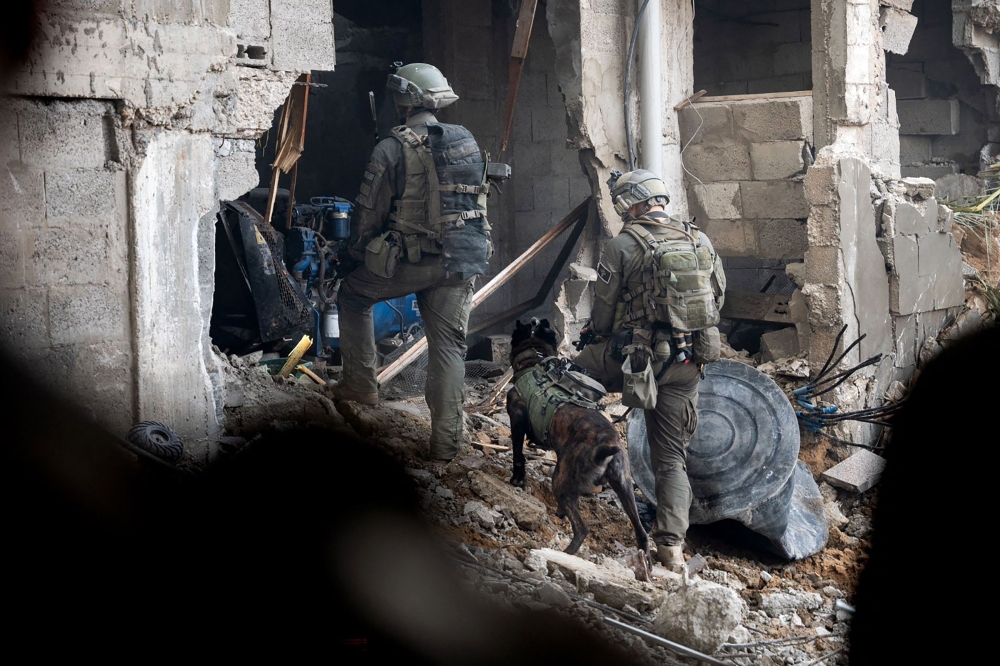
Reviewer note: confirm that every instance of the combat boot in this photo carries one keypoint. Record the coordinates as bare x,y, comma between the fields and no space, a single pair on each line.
341,392
671,557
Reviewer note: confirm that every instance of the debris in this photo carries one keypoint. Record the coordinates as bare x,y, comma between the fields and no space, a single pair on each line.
297,353
482,514
696,563
527,511
701,615
611,583
787,367
670,645
858,473
780,344
777,603
553,595
500,349
423,477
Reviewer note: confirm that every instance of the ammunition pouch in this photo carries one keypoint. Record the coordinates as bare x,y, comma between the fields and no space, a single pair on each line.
707,347
383,254
619,340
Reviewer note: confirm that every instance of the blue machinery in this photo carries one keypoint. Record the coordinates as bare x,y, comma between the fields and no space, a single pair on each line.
319,233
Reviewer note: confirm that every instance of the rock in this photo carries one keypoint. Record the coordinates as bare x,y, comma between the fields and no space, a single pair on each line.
858,473
828,492
535,561
580,272
553,595
833,592
783,343
610,582
527,511
766,577
444,492
740,635
968,271
701,615
778,603
918,188
421,476
834,515
482,514
860,526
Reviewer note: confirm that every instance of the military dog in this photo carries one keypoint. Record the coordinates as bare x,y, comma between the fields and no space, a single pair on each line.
588,448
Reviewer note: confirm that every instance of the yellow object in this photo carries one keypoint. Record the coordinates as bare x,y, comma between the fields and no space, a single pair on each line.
310,374
980,206
296,356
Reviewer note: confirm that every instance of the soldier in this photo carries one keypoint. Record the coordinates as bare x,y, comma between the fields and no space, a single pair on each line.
419,227
659,291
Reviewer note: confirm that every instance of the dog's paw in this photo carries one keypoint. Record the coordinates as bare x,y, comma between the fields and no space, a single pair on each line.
517,481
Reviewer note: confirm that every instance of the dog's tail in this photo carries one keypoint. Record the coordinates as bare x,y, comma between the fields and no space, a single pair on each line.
604,453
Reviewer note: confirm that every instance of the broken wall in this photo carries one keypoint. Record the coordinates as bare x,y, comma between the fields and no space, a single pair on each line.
124,128
760,46
945,112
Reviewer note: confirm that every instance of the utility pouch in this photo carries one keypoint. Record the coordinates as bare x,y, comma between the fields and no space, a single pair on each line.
619,340
412,248
707,346
382,255
639,388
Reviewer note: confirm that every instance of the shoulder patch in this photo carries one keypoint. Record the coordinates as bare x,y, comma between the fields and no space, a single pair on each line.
604,273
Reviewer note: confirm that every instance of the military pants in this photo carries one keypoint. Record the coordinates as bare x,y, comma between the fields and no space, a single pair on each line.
444,304
669,428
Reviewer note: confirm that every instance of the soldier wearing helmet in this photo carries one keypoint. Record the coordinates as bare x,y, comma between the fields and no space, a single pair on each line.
419,227
659,291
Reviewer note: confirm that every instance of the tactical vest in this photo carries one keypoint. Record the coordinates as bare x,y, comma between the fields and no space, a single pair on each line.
676,287
549,385
443,207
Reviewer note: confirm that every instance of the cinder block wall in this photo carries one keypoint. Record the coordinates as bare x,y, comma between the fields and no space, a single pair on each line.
945,113
64,269
746,161
753,46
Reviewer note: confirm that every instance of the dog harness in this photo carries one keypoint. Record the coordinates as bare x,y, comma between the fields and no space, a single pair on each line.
550,384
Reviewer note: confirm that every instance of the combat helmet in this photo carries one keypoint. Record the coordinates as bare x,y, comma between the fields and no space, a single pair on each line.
635,187
420,85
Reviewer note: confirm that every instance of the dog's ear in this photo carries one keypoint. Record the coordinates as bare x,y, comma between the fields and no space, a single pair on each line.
543,324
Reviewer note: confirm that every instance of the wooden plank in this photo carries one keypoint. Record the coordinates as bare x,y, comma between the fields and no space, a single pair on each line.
498,281
740,98
690,100
294,140
522,35
312,375
755,306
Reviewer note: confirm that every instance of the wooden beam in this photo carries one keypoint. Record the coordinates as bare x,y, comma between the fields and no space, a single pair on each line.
691,100
741,98
519,52
498,281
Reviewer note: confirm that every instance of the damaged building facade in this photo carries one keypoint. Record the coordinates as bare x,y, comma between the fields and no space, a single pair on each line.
808,162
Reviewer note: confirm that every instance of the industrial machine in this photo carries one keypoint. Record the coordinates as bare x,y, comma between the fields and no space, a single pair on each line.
292,270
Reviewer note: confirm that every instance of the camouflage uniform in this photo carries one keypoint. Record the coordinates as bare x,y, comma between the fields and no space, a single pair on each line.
670,425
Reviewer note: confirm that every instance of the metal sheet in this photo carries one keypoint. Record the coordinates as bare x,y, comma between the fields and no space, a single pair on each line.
743,461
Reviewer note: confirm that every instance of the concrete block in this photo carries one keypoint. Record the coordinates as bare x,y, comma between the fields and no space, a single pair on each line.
302,36
795,58
22,197
914,149
902,5
957,186
82,197
711,123
549,124
783,343
11,259
823,226
10,148
897,29
532,91
93,313
911,220
73,134
918,188
714,163
776,160
929,171
909,292
774,199
716,201
579,189
24,319
858,473
251,19
784,119
552,194
579,297
781,239
907,83
731,237
928,116
70,255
